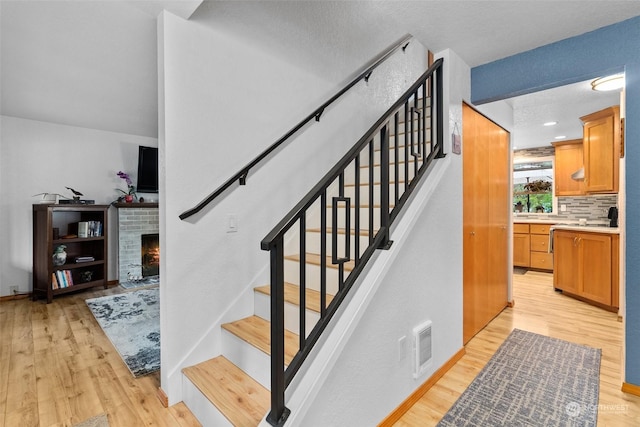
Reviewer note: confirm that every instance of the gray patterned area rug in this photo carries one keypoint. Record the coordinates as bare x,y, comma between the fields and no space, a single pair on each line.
532,380
131,320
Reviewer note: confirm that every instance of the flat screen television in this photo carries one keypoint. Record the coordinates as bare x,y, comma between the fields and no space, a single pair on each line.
147,170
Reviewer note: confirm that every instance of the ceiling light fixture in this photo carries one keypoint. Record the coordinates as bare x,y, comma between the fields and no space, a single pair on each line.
550,124
561,137
614,82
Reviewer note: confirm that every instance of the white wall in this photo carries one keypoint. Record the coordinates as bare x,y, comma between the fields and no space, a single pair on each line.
223,100
368,380
39,157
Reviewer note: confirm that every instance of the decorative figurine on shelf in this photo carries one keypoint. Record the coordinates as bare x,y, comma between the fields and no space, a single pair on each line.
60,256
86,276
49,198
130,194
76,194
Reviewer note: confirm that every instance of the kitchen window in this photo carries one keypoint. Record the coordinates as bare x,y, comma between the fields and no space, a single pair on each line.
533,185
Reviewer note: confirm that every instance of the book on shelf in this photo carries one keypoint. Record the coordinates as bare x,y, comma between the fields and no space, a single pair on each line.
94,228
68,278
62,279
85,259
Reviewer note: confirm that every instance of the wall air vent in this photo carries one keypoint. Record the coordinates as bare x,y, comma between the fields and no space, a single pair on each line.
422,348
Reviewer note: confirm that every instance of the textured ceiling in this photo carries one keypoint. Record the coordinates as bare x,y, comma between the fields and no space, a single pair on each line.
564,105
94,64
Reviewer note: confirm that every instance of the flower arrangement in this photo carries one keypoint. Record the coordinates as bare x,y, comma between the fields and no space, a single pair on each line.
128,195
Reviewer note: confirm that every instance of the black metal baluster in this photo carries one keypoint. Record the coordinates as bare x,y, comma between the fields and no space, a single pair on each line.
416,155
384,187
406,145
424,122
323,253
303,279
371,158
356,209
439,107
396,165
279,412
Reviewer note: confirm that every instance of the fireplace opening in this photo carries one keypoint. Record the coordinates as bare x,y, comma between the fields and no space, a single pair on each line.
150,254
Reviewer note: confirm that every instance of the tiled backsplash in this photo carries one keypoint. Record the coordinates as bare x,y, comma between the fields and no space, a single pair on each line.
592,207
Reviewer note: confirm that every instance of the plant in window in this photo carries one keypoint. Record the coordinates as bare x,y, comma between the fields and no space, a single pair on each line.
538,186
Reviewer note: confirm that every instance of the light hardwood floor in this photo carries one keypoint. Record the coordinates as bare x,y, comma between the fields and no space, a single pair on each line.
57,368
538,308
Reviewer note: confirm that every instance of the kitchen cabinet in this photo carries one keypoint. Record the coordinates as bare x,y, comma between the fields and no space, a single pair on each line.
521,245
541,258
531,246
586,266
601,150
568,159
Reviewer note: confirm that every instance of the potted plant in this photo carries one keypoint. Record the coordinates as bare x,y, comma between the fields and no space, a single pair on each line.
130,194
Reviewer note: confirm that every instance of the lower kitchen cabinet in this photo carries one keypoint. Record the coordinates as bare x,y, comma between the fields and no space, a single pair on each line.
521,245
586,266
531,246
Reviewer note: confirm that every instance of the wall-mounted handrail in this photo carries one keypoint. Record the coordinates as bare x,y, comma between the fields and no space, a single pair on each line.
410,134
241,175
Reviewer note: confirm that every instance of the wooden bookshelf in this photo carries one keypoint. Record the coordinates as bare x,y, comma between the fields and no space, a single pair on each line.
49,279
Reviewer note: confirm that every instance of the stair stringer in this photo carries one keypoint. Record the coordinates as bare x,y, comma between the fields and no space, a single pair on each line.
309,380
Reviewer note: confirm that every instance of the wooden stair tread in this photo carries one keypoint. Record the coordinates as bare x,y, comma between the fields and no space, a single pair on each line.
315,260
292,296
375,205
240,398
401,162
257,332
366,184
363,233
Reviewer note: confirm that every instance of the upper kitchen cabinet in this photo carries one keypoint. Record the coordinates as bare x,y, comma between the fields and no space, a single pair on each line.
601,150
568,159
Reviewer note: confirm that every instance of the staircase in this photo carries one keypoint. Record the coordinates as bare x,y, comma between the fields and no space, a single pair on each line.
320,253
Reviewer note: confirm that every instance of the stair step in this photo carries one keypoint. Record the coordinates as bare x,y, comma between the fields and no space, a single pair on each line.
241,399
315,260
366,184
340,231
292,296
257,332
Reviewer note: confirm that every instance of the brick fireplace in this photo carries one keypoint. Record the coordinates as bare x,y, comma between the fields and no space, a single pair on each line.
135,220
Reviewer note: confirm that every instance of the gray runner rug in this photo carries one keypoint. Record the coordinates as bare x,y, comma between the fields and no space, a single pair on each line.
532,380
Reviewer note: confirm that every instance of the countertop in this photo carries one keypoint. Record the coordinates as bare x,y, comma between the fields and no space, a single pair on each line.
587,228
563,224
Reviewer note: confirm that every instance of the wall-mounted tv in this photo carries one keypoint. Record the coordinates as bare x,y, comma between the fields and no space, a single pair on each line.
147,170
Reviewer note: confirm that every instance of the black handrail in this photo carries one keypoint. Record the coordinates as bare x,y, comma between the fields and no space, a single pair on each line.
409,137
242,174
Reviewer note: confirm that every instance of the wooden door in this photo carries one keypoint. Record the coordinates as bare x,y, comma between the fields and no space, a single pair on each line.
485,220
565,259
601,144
521,250
568,159
595,267
475,218
499,170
